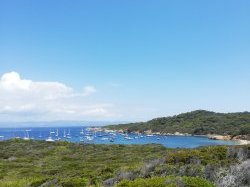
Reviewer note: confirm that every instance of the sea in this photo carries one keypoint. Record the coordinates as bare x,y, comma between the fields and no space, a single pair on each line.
81,134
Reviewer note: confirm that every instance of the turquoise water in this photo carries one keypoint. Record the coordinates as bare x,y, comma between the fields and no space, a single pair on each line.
74,135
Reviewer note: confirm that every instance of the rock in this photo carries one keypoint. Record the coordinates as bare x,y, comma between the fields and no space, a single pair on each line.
128,175
109,182
12,158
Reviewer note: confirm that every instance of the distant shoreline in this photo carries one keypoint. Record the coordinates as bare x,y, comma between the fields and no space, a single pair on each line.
209,136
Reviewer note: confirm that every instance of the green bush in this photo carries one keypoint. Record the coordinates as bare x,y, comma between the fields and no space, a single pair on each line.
196,182
38,182
169,181
75,182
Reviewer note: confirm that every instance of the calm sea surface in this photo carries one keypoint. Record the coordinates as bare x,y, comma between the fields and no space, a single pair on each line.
81,134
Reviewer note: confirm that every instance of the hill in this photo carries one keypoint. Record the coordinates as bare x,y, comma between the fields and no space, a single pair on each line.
199,122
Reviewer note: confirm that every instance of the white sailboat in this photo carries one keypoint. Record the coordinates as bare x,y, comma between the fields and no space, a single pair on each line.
81,139
14,135
27,137
89,138
40,136
82,132
52,132
50,139
64,134
57,135
103,139
68,135
128,138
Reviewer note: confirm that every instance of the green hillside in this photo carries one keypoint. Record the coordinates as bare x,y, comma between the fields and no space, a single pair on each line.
63,164
196,122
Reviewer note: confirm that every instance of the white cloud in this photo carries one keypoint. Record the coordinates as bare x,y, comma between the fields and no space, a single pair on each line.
88,90
22,100
12,81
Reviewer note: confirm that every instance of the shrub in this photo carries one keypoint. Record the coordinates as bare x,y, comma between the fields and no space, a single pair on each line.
75,182
169,181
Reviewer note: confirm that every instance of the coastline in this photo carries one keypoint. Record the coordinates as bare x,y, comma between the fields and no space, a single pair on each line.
243,142
238,139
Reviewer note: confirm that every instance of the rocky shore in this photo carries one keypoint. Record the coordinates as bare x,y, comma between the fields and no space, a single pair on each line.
241,140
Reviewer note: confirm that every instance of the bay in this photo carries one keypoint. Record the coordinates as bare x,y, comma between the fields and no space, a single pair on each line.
83,135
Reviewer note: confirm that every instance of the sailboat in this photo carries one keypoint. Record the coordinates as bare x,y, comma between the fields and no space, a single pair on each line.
81,139
14,135
128,138
82,131
27,137
40,136
64,134
89,138
57,135
50,139
52,132
68,135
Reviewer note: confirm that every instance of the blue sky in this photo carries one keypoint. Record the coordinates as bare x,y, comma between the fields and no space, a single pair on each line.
141,59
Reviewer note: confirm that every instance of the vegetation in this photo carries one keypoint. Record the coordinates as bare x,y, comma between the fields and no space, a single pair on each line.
170,181
64,164
24,163
197,122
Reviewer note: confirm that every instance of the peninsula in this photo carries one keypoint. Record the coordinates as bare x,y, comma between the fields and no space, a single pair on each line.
224,126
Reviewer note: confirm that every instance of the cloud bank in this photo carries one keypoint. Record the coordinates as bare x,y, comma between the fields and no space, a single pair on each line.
22,100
